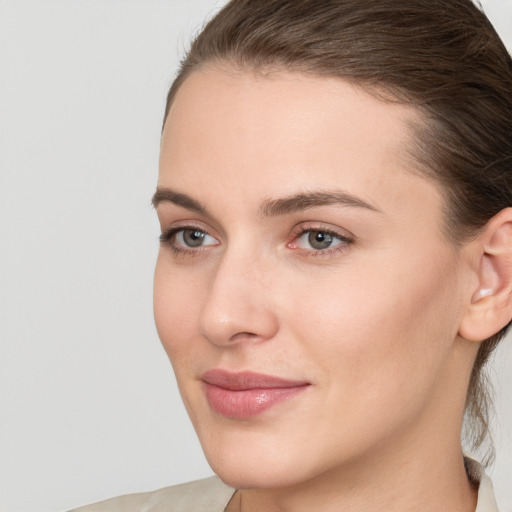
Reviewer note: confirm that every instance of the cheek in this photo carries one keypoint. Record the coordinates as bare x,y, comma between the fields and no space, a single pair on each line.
175,305
377,331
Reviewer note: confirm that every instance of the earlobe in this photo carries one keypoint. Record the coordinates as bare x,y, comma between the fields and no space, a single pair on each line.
490,308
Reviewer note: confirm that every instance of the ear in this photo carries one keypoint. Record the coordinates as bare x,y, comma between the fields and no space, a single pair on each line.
490,307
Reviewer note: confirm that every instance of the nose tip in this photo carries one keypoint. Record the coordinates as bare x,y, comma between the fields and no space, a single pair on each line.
228,324
236,310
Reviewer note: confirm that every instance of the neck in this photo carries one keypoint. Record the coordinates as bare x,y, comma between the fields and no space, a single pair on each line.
425,491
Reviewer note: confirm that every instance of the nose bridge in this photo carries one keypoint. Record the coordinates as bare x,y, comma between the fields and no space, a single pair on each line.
237,305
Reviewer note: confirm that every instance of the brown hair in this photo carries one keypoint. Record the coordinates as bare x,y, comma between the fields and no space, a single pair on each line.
443,57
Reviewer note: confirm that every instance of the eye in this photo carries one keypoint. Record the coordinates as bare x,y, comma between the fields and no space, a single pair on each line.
193,238
319,241
187,239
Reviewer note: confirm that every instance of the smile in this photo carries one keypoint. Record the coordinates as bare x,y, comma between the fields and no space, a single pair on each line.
246,394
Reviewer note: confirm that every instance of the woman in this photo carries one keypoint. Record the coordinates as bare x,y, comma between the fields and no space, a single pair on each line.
335,269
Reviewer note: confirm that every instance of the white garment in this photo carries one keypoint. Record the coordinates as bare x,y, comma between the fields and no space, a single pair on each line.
486,500
208,495
211,495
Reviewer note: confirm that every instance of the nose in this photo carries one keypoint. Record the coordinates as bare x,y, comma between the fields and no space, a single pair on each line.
238,306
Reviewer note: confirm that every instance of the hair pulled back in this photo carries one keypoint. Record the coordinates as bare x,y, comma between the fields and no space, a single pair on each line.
442,57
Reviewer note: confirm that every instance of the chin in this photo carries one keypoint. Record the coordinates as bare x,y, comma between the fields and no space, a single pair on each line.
251,475
258,463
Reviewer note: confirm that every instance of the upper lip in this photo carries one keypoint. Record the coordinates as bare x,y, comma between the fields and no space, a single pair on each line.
239,381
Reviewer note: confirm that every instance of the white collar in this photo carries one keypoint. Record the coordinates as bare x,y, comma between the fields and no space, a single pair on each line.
486,500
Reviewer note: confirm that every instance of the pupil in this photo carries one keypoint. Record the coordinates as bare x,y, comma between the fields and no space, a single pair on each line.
319,240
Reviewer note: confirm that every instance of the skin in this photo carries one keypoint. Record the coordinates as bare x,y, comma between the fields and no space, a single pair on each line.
371,323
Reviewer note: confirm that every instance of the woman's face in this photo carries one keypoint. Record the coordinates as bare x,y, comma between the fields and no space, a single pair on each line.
304,290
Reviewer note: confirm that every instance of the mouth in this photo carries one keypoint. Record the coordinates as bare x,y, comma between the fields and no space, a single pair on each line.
246,394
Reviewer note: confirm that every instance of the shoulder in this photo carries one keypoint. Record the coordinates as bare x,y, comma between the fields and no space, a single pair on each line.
207,495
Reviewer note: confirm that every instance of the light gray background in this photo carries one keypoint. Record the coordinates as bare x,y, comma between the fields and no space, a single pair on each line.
89,407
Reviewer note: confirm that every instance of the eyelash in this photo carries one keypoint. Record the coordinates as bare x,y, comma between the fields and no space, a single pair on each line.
329,251
167,238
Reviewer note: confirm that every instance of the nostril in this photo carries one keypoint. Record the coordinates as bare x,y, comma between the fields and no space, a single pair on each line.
242,336
245,325
227,336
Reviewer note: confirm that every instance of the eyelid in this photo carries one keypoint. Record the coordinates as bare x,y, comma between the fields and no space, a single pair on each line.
168,235
341,233
346,238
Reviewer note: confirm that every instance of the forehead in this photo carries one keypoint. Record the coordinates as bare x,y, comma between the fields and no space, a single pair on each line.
277,133
294,105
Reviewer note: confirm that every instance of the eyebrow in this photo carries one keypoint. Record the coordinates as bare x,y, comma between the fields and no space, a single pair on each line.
271,207
164,194
304,201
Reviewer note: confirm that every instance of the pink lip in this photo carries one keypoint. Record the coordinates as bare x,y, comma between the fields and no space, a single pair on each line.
246,394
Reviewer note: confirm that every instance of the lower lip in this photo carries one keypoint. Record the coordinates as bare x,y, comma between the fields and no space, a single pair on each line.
248,402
